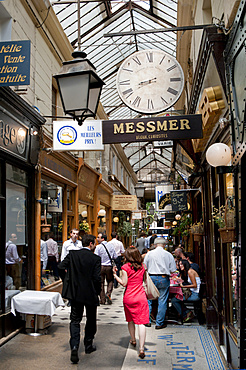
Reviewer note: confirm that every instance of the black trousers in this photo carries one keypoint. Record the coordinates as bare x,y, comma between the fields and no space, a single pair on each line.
77,309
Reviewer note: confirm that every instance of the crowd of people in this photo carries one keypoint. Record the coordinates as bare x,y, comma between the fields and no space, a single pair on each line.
88,269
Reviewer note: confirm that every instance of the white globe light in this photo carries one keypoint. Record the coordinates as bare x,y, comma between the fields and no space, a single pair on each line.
102,213
178,217
218,154
84,214
174,223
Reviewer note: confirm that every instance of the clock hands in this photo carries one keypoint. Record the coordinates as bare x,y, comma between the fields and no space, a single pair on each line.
143,83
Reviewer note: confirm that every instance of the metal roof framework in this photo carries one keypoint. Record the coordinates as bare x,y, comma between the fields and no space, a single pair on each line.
96,20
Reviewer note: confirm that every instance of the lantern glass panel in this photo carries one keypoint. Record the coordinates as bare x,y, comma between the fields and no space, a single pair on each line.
74,91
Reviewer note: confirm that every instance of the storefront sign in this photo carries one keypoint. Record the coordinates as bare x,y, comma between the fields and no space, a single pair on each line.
137,215
124,202
179,200
15,63
13,135
160,190
68,135
164,200
152,129
163,144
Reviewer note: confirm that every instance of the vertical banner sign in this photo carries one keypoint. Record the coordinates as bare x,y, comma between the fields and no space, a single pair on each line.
15,63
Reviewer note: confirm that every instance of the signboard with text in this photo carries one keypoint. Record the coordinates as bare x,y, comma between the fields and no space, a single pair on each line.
68,135
179,201
15,63
124,202
152,129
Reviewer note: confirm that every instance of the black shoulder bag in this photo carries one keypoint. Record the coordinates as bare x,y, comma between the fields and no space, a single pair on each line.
111,260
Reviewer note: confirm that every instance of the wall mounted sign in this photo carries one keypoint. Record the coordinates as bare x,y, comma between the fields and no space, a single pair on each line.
161,190
14,136
164,200
152,129
163,144
179,201
68,135
15,63
124,202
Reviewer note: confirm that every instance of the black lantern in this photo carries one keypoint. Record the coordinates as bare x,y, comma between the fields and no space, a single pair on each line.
79,87
139,188
151,210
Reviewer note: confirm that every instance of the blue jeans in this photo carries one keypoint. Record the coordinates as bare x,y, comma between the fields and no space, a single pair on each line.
177,302
162,284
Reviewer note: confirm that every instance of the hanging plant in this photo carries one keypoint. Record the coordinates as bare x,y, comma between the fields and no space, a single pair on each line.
84,226
183,225
125,229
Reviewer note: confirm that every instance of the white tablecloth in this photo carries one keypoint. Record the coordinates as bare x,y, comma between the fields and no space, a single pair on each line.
8,295
36,302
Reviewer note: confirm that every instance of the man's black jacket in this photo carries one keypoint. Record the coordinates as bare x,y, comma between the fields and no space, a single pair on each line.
82,281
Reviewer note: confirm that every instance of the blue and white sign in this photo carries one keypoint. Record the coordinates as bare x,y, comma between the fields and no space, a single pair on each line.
68,135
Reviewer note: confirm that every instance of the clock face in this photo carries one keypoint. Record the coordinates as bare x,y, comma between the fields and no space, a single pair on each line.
150,81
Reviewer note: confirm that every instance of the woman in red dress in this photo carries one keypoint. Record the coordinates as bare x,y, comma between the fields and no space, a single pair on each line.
135,300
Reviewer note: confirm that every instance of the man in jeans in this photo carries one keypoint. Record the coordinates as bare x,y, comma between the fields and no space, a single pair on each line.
119,249
160,264
107,253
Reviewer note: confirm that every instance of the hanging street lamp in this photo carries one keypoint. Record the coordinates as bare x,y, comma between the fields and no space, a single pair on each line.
79,87
139,188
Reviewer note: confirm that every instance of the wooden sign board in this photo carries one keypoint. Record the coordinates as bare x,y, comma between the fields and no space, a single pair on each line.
124,202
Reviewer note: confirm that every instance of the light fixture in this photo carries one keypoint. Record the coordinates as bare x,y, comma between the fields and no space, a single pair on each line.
101,213
174,223
79,87
177,217
116,219
139,188
219,155
84,214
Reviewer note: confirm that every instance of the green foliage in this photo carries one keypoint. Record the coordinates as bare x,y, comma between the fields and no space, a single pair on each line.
125,229
136,225
183,225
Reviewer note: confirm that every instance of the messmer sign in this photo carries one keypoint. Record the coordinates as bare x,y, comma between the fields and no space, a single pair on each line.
68,135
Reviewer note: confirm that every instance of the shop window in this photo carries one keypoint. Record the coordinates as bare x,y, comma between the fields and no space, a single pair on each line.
5,24
16,249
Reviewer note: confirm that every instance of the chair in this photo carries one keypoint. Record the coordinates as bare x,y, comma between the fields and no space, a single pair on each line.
197,305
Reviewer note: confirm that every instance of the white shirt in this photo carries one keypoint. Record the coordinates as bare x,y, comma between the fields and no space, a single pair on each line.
12,256
69,245
101,252
43,253
160,262
198,283
118,246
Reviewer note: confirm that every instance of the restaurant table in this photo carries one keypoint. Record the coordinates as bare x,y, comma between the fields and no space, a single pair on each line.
36,303
8,295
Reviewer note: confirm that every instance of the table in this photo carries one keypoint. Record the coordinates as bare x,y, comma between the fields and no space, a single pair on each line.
8,295
37,303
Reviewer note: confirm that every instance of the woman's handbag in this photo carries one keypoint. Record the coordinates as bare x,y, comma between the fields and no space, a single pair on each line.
150,289
186,293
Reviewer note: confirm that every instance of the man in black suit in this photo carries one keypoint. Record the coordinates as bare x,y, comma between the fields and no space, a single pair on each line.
81,275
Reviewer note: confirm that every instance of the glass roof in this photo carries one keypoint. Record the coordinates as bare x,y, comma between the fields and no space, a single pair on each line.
98,21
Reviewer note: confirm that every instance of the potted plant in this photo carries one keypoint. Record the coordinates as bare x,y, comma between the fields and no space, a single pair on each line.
224,217
84,226
183,226
198,231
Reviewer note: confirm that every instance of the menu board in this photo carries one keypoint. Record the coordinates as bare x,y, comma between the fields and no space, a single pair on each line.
179,201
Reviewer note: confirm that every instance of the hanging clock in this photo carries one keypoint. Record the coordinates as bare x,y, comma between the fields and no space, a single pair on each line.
150,81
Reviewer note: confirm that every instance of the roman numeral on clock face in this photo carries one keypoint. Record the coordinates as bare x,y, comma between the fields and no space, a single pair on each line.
127,92
136,60
172,91
164,101
171,68
150,56
150,104
162,59
175,79
126,82
136,101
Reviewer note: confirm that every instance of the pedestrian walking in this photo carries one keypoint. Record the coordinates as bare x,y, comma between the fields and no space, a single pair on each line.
81,275
160,264
71,244
119,249
107,253
135,300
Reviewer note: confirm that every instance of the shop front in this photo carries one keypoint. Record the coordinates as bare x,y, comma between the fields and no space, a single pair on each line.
19,147
57,208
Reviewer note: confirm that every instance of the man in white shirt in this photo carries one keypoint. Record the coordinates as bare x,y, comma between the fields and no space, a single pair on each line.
13,261
107,253
160,264
119,249
53,255
71,244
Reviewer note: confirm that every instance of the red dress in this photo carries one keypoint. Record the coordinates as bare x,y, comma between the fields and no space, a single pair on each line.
135,300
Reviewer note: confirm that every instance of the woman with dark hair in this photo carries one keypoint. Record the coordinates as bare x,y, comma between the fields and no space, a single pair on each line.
135,301
192,281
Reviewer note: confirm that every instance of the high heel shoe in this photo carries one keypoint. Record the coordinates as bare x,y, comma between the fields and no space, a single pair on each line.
141,353
133,343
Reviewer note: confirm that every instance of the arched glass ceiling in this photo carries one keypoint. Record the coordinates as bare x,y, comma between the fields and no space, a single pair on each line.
100,18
